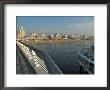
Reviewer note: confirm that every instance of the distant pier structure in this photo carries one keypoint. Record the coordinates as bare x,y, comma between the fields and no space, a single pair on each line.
33,61
86,60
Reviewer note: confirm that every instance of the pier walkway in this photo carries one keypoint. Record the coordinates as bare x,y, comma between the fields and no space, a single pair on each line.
22,65
34,61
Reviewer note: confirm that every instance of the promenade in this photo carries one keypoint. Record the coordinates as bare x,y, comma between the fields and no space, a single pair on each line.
27,66
22,65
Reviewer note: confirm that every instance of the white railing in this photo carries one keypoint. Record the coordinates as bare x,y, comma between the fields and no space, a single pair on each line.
35,61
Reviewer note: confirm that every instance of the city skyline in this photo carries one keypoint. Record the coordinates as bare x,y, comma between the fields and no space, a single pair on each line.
57,24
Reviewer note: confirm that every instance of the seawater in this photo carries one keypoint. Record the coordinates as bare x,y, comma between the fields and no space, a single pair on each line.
65,54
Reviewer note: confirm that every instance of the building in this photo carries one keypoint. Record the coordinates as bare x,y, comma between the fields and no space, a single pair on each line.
66,37
43,35
21,33
58,36
33,34
52,36
72,36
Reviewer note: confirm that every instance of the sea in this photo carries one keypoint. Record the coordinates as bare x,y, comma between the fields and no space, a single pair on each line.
65,54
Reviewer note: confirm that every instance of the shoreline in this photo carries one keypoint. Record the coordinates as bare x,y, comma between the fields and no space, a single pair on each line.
51,41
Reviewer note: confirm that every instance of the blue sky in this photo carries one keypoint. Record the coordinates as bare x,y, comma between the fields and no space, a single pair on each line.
54,24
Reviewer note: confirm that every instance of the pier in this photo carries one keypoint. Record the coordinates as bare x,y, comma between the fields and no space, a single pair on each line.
86,60
34,61
22,65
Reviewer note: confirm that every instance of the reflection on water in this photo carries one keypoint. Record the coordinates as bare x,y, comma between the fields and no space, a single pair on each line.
65,55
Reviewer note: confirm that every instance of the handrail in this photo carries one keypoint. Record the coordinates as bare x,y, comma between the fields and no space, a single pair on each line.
51,67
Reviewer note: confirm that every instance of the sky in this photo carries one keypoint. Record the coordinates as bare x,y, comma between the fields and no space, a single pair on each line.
56,24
